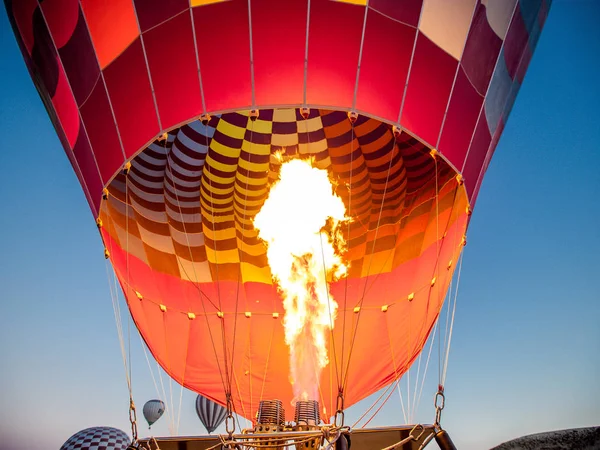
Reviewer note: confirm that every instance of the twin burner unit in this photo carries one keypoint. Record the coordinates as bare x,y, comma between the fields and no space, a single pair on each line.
271,416
270,419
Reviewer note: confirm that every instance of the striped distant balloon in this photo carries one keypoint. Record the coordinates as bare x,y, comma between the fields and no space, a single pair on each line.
97,438
153,410
210,413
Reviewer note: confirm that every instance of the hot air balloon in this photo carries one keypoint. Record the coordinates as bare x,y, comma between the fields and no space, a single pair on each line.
211,414
153,410
179,120
97,438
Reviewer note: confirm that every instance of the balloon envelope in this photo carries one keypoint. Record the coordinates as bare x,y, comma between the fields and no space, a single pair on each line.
97,438
178,227
211,414
153,410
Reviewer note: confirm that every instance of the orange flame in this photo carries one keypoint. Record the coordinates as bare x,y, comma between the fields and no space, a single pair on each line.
301,224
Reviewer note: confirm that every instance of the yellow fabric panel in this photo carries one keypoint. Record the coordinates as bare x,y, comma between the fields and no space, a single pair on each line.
222,256
217,179
378,262
256,274
205,2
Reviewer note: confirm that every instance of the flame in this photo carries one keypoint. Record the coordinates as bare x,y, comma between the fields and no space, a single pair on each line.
301,224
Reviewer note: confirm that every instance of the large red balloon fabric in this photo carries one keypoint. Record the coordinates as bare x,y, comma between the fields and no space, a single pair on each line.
171,113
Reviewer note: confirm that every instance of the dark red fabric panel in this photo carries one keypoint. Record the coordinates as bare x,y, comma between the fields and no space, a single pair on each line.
278,45
515,42
460,120
87,166
176,84
131,98
429,86
481,51
102,133
22,11
386,56
477,154
223,37
80,61
44,56
61,17
406,11
333,47
152,12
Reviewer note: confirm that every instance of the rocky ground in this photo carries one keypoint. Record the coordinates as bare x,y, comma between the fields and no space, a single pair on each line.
572,439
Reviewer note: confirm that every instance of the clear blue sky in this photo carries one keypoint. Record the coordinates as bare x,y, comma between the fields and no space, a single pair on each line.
526,351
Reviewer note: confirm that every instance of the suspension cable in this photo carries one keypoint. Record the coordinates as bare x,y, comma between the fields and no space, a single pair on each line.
240,275
348,238
345,373
444,372
167,410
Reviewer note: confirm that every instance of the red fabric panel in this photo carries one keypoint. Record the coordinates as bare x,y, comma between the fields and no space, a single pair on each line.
85,160
102,133
131,98
333,46
481,51
65,107
406,11
477,154
515,42
61,17
460,120
429,86
386,55
184,348
152,12
22,11
112,25
278,45
176,84
224,51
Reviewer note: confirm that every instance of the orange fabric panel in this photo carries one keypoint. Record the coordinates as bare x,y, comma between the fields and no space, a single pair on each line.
112,25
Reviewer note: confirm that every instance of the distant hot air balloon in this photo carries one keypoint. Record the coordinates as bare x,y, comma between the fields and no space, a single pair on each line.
153,410
97,438
210,413
172,116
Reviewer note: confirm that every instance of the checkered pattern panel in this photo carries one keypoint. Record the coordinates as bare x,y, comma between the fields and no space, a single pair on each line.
97,438
187,206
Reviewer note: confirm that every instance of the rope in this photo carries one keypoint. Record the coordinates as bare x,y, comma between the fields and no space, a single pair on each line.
436,328
118,323
385,391
262,391
167,410
202,295
444,372
437,259
240,277
387,179
187,348
227,382
128,205
329,307
348,238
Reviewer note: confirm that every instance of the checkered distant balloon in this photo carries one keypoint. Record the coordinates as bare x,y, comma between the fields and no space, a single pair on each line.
97,438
